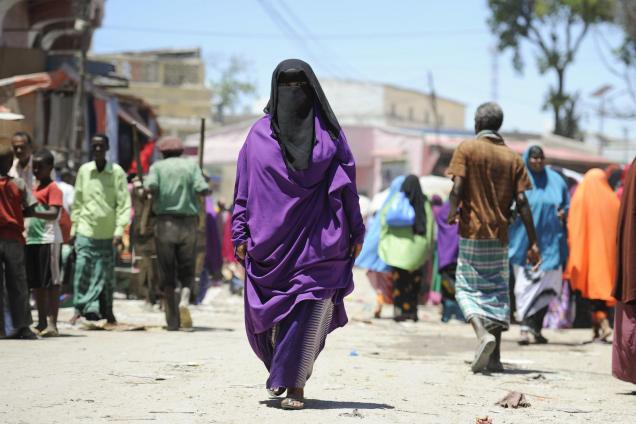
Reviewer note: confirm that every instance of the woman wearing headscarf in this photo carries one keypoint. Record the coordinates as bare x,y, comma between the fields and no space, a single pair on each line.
624,343
378,272
592,223
407,248
549,202
297,228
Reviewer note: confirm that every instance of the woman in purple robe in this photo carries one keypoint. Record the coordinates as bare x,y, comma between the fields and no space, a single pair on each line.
297,228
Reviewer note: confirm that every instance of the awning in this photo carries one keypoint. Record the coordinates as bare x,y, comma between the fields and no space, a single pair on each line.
132,121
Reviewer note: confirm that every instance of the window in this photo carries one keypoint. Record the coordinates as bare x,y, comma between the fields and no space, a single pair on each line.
176,74
393,111
144,71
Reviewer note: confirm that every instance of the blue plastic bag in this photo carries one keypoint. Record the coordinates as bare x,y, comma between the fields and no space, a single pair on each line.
400,212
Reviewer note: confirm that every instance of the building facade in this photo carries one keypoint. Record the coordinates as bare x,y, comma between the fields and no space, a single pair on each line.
172,81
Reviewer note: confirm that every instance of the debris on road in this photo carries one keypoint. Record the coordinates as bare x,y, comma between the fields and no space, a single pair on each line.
514,400
354,414
483,420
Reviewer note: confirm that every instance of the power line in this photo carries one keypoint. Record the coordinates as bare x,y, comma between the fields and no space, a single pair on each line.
288,29
336,60
312,36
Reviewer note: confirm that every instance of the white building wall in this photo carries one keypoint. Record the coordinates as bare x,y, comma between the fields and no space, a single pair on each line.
353,102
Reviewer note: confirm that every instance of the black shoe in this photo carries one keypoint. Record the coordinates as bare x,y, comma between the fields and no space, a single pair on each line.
24,333
538,337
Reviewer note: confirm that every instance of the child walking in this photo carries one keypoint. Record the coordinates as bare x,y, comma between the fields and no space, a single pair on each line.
43,245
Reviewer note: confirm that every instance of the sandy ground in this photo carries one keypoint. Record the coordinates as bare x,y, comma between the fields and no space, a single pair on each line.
372,370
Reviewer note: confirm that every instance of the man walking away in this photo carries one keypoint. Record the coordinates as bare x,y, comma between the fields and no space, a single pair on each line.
488,177
176,183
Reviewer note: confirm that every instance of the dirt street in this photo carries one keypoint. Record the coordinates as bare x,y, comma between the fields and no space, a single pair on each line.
373,371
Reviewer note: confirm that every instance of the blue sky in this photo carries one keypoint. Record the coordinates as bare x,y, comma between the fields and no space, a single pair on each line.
396,42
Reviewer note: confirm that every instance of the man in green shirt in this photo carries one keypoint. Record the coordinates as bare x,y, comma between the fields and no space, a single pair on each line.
176,185
100,212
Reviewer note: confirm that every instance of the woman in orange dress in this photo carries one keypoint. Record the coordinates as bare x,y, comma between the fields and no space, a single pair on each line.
592,224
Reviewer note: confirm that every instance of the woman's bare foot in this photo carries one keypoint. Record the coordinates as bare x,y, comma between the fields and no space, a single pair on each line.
294,400
377,312
74,318
50,331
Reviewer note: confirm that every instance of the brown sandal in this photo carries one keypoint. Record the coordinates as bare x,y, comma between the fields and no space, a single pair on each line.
292,404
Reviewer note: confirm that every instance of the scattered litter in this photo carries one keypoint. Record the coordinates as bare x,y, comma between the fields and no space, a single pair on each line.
514,400
354,414
353,353
483,420
537,377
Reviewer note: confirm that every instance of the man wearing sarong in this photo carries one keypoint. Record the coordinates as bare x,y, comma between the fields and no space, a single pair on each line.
297,228
624,349
100,212
488,178
176,184
549,201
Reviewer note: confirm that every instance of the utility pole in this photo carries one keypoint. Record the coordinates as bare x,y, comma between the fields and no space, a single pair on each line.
601,94
431,87
494,78
75,144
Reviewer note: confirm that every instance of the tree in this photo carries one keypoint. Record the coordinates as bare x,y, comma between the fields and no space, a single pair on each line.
555,29
626,18
230,87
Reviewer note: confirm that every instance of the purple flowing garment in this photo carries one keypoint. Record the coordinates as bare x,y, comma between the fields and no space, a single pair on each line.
299,227
447,237
213,258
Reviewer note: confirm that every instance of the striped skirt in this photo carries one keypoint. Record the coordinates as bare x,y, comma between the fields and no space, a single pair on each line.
291,347
481,287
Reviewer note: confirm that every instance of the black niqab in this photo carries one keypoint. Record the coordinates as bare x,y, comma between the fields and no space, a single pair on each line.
413,191
296,98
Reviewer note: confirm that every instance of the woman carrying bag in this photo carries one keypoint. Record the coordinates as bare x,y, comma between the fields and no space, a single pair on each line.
406,244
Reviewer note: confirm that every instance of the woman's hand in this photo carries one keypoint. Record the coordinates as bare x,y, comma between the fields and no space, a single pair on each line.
241,251
355,250
534,256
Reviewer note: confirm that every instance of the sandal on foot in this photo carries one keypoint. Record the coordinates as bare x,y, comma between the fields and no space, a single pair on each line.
486,346
50,332
184,317
292,404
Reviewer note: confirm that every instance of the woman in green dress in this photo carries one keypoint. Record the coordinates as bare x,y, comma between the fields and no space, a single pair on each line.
407,248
